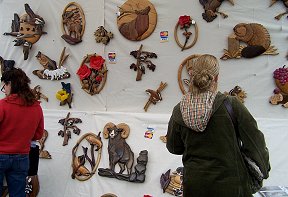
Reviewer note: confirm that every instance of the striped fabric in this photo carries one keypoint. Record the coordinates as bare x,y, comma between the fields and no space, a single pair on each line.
196,109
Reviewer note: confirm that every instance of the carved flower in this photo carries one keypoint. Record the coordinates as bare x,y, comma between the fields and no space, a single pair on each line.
185,21
62,95
84,72
96,62
98,78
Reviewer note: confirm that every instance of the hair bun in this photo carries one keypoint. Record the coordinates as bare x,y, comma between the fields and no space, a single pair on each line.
203,80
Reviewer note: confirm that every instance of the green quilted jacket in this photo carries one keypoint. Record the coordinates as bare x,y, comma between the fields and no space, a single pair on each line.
213,166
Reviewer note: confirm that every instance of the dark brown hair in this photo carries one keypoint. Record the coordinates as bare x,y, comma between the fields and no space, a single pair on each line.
19,84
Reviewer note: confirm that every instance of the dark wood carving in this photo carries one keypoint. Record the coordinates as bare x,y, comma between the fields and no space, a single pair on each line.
172,182
211,9
154,96
238,92
136,19
102,35
44,154
142,58
73,23
120,153
257,40
80,171
285,2
6,64
38,94
68,124
27,29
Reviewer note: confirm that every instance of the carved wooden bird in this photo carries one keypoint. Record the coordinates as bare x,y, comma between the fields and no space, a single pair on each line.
155,96
33,18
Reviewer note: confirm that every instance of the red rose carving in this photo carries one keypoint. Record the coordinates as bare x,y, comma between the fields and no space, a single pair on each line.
99,78
184,21
83,72
96,62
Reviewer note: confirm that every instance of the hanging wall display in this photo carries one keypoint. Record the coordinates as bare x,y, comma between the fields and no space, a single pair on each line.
51,71
280,96
73,23
44,154
69,124
80,170
257,40
183,81
137,19
285,2
238,92
102,35
39,95
172,182
92,73
185,22
211,9
120,154
6,64
154,95
65,95
27,29
142,58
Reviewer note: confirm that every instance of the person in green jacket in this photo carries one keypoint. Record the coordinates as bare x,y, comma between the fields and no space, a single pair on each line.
201,130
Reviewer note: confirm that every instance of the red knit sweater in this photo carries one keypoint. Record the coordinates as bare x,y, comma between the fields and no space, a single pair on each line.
19,124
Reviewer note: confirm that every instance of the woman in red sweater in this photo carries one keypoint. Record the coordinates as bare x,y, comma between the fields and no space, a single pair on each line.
21,121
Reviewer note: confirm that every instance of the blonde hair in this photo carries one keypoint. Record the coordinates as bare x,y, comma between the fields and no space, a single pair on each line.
203,74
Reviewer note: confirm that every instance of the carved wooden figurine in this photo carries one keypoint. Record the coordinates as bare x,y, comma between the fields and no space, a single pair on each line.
137,19
257,40
281,92
102,35
38,94
238,92
154,96
6,64
51,70
65,95
120,153
28,29
80,171
211,9
73,23
172,183
285,2
68,124
44,153
142,58
185,22
92,74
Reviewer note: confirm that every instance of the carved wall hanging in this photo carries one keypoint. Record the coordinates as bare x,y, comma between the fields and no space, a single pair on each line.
51,70
108,195
280,96
154,96
28,29
44,154
65,95
80,170
120,153
92,74
211,9
187,63
137,19
172,182
73,23
279,16
185,22
142,58
38,94
257,40
6,64
102,35
238,92
68,124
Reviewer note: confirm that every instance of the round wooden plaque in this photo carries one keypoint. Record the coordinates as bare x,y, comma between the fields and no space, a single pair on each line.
137,19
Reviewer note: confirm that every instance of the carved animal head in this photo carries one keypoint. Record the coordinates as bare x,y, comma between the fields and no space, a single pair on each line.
243,32
209,15
111,130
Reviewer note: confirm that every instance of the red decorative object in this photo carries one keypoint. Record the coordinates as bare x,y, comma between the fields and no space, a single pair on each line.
185,21
92,74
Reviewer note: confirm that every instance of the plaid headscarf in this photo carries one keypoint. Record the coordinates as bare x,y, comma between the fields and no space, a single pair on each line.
196,109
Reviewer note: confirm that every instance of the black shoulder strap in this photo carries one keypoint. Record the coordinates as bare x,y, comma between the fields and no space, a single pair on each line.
230,111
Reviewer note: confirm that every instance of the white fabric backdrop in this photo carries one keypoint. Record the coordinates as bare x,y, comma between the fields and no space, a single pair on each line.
123,99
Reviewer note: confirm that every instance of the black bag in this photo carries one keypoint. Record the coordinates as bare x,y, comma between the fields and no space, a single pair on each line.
256,176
